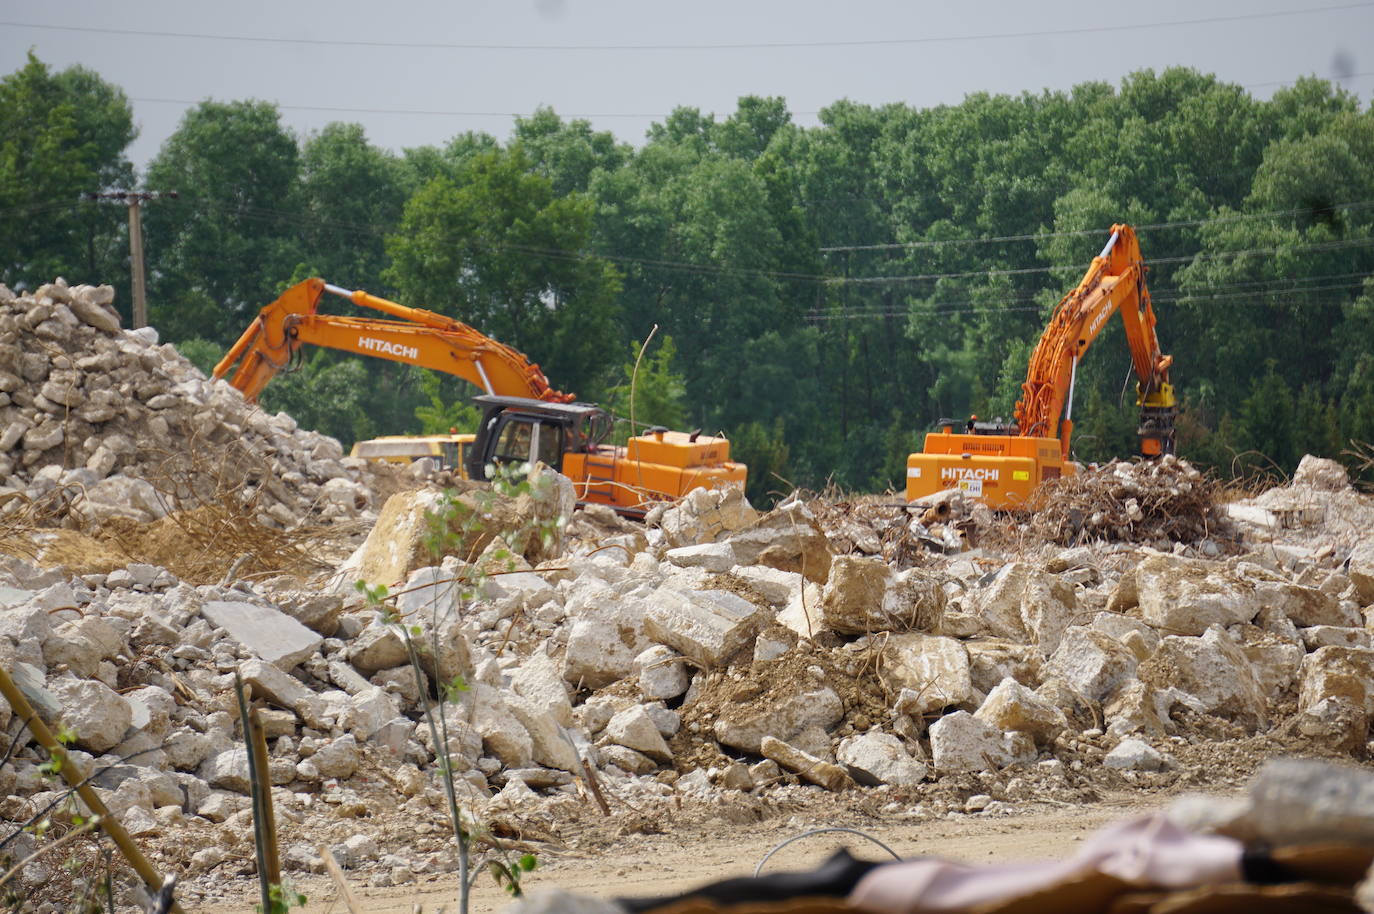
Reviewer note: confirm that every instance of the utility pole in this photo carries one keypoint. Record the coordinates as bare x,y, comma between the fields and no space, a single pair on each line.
135,200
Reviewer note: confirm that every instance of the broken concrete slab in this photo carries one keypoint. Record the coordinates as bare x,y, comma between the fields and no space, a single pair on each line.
745,725
933,668
264,630
713,557
707,626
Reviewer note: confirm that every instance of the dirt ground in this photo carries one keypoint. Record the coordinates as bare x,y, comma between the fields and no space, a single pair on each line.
667,863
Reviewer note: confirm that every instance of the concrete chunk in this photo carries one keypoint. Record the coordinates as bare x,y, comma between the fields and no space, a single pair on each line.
265,630
875,757
745,725
502,733
97,714
1344,673
604,639
806,766
1012,706
1093,663
962,742
1211,668
708,626
634,729
864,594
714,557
539,680
548,744
934,669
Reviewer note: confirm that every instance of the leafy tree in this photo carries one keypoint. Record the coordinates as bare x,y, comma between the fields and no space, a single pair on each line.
61,135
350,196
499,250
225,248
763,448
567,153
323,394
439,417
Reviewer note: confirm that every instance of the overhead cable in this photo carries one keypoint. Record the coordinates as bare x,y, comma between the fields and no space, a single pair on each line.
714,46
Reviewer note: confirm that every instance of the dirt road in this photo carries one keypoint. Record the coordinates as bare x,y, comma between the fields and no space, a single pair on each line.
662,864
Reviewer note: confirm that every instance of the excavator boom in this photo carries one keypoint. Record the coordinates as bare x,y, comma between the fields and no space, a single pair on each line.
1003,464
418,337
525,419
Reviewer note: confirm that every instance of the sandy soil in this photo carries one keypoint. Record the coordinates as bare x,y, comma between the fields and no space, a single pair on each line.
662,864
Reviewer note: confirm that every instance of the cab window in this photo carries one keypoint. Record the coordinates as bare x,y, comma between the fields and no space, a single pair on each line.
514,443
551,445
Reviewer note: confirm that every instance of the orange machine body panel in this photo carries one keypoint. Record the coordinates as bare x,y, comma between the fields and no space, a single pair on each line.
632,479
999,470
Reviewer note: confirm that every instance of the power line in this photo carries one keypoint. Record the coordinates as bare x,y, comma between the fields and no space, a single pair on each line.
413,111
299,218
629,115
740,46
1042,236
1225,291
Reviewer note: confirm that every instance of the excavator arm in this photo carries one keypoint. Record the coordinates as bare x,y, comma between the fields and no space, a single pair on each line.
417,337
1115,282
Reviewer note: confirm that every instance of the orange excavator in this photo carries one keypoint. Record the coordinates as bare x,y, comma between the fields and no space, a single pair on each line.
524,419
1002,464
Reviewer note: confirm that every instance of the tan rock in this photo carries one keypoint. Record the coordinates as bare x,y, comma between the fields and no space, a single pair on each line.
932,668
787,538
1012,706
807,767
1093,663
1344,673
865,595
744,725
1214,670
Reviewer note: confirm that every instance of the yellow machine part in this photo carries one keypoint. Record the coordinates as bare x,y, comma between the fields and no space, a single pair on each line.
651,466
449,450
999,470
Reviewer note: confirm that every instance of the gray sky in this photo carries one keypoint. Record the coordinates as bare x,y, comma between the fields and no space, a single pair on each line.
921,53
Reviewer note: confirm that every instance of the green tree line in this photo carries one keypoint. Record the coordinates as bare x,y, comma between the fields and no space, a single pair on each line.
821,294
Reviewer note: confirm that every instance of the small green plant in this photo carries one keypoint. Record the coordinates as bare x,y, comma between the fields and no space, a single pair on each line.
453,526
284,897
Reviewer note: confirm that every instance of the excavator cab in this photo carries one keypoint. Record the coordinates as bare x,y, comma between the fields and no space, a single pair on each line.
517,430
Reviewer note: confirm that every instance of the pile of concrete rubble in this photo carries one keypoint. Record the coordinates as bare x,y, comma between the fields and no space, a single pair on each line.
98,423
716,652
712,655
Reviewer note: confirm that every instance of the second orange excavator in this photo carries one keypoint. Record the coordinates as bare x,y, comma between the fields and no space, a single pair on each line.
1003,464
524,418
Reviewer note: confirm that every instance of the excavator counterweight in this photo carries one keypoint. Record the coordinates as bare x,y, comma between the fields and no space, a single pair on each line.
1002,465
525,419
